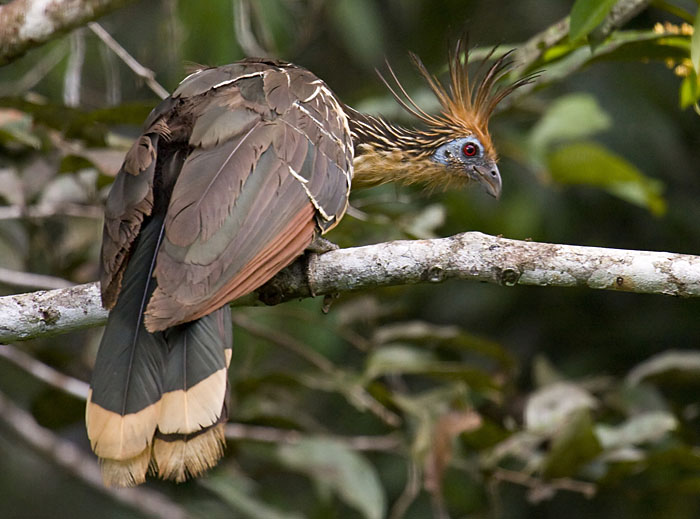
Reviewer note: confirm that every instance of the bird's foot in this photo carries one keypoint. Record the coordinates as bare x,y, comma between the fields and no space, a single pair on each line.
320,245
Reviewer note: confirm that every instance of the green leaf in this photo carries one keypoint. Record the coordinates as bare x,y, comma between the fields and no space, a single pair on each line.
586,15
695,44
449,337
16,126
333,466
574,445
237,493
591,164
569,118
399,359
690,90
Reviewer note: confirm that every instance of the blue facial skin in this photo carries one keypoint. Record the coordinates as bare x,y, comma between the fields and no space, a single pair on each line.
466,156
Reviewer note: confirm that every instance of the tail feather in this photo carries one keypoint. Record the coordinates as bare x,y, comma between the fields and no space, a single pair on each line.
195,374
125,473
181,456
125,391
190,435
157,400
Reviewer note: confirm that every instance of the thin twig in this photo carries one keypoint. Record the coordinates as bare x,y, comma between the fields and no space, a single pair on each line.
66,455
541,489
21,279
238,431
242,28
354,392
285,341
234,431
12,212
110,65
144,73
409,493
72,82
38,72
45,373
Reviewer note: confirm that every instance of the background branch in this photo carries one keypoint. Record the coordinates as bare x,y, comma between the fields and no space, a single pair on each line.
470,255
25,24
144,73
83,466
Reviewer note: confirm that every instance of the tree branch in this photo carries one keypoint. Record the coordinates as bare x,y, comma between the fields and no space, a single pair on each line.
25,24
83,466
470,255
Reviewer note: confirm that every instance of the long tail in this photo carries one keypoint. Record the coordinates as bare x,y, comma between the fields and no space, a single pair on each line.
157,401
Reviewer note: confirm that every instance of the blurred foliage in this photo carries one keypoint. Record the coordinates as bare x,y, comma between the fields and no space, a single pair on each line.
452,400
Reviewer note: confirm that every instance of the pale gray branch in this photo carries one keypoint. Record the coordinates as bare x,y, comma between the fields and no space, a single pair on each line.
239,431
144,73
470,255
73,79
25,24
30,280
45,373
12,212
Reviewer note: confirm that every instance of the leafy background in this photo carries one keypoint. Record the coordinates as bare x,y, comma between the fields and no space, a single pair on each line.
449,400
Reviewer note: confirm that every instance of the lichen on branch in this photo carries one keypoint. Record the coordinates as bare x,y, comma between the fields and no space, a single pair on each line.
470,255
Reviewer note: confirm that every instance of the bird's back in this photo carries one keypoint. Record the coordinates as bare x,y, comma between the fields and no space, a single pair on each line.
235,174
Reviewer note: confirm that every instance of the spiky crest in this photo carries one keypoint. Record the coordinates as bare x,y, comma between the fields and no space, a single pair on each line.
467,105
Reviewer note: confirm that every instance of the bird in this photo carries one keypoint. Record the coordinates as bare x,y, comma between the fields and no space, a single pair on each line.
236,174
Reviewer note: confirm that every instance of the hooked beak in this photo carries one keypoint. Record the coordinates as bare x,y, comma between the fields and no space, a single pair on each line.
490,178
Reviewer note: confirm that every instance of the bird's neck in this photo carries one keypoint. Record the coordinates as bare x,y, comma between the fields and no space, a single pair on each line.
385,152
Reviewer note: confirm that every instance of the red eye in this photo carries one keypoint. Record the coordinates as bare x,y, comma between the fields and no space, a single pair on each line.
470,149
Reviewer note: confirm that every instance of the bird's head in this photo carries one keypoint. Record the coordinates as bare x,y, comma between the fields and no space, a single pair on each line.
468,157
454,147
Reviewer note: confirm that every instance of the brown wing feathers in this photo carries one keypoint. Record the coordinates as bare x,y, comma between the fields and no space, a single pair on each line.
235,174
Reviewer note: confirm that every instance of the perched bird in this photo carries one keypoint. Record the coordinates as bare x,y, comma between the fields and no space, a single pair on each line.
235,175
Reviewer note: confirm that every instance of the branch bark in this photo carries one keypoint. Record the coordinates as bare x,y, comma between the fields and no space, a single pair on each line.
25,24
471,255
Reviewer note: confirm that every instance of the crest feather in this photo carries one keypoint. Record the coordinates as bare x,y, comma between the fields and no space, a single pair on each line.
467,105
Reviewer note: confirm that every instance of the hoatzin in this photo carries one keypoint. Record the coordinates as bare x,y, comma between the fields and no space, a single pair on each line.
235,175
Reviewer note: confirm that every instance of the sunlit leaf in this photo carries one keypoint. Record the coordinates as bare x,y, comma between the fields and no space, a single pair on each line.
689,90
586,15
333,466
398,359
675,364
591,164
574,444
643,428
562,60
695,44
550,407
571,117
